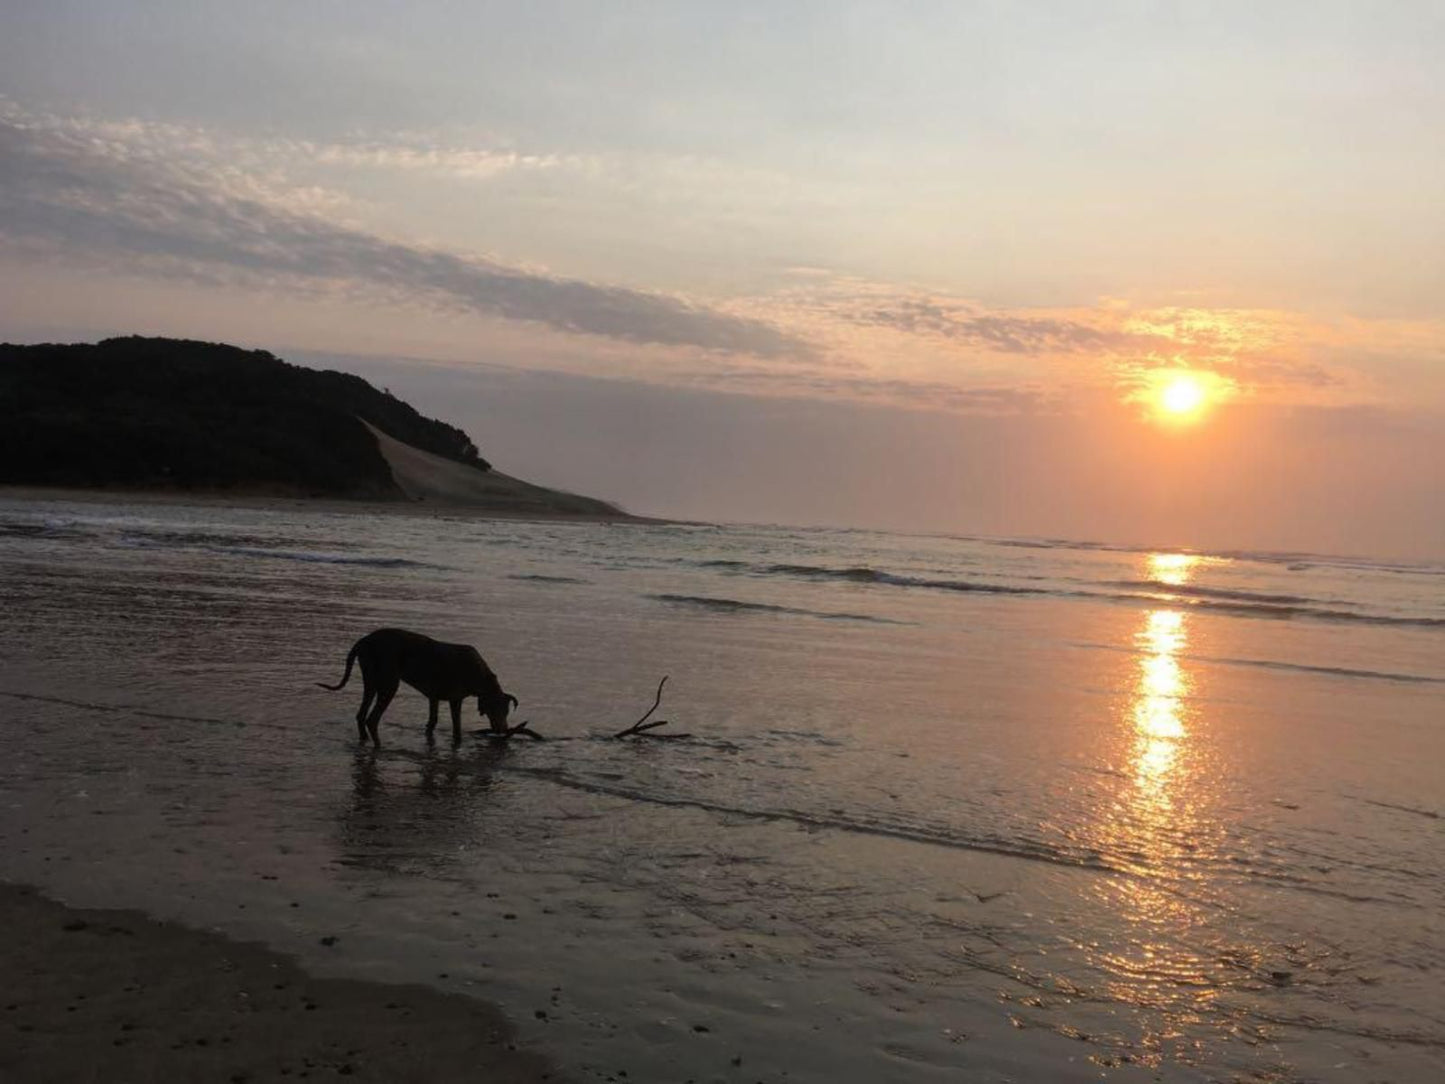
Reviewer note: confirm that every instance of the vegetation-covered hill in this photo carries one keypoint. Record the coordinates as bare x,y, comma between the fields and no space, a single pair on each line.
175,414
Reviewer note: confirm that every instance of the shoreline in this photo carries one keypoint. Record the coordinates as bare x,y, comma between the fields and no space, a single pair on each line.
115,994
261,502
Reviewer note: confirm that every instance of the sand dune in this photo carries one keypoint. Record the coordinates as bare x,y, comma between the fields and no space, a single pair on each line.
423,476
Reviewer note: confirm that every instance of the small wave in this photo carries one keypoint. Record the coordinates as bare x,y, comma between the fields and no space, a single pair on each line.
1217,600
1331,671
318,558
722,562
1355,1030
971,586
1030,850
190,539
537,577
1237,603
819,572
232,547
50,529
1430,814
1277,611
732,605
1299,562
25,530
1068,544
873,575
1293,561
1286,612
1011,848
1191,590
140,712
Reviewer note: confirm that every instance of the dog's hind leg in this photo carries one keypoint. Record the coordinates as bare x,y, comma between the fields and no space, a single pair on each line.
456,721
384,693
368,694
431,719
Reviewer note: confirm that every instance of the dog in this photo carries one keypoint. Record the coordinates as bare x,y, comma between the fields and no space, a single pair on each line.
450,672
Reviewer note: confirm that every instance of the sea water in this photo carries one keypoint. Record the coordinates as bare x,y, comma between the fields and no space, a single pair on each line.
925,808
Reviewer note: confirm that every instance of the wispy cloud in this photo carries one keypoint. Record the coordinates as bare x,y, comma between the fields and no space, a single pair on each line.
833,384
1008,333
468,162
932,338
114,196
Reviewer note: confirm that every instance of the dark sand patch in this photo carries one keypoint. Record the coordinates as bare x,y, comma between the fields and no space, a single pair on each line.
112,995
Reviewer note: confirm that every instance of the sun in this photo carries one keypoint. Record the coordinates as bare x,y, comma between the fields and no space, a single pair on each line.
1182,395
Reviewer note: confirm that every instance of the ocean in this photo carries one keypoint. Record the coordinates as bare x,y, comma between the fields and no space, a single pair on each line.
925,808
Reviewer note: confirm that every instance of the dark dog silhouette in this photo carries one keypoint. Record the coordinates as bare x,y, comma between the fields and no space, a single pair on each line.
450,672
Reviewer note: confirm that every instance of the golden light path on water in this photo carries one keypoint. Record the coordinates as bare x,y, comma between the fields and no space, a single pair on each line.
1159,700
1158,704
1157,827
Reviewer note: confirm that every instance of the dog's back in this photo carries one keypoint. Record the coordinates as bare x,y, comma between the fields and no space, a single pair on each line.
439,670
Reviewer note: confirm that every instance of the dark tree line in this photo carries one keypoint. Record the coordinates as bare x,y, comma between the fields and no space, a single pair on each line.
172,413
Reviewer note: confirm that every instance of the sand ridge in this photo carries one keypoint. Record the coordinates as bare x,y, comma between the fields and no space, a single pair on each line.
424,476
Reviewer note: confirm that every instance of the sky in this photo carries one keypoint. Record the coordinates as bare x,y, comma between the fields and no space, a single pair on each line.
923,266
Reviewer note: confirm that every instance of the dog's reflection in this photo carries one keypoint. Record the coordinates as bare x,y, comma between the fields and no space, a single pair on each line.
416,812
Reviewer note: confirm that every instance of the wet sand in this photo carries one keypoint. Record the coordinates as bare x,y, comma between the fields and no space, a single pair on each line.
113,995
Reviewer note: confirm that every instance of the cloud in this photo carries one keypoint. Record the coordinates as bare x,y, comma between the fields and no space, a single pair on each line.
876,389
470,163
1006,333
1268,352
110,196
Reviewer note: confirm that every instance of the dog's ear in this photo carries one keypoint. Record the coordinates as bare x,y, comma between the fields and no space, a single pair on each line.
513,699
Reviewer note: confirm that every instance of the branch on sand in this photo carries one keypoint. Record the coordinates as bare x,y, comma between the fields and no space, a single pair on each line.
641,728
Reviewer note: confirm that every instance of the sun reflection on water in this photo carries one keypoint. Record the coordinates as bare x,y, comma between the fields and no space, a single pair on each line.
1156,829
1175,569
1158,705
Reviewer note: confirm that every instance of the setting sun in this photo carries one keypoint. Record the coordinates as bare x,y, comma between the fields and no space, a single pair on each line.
1182,395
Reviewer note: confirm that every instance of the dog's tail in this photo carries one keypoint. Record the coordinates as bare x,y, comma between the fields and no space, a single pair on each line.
344,677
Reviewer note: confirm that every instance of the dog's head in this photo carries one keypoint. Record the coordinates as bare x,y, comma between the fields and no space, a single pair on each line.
496,709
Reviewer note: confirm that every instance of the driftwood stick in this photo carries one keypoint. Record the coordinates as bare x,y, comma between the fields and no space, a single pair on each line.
642,725
511,732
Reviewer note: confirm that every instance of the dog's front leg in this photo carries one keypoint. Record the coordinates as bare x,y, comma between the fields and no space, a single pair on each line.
456,722
431,719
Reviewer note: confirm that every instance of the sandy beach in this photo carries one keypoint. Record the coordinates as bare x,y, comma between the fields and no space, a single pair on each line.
270,502
112,995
